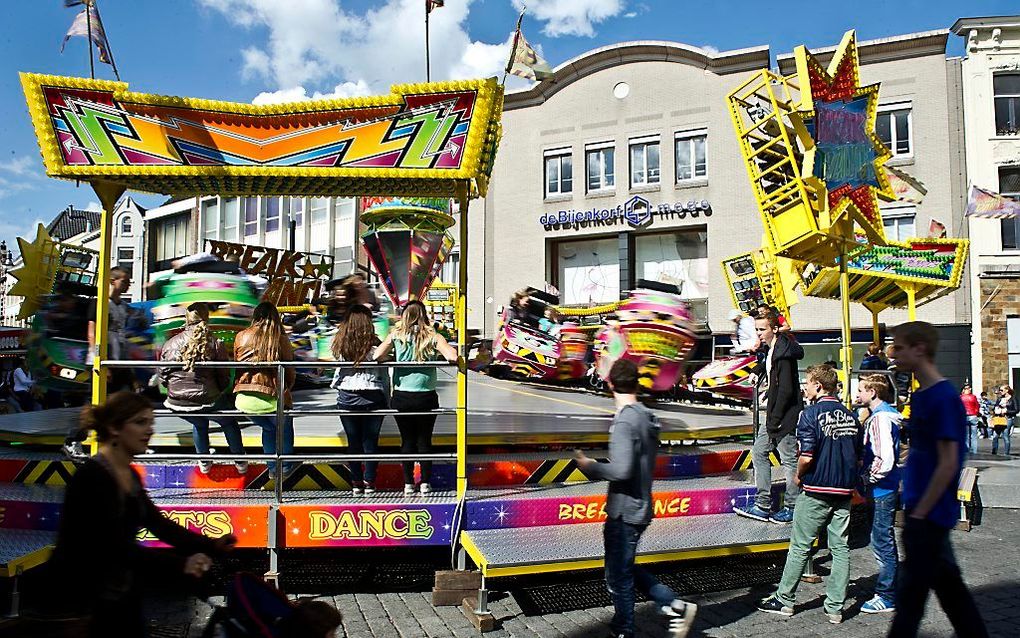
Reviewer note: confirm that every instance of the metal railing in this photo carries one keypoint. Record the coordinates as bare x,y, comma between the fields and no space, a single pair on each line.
282,413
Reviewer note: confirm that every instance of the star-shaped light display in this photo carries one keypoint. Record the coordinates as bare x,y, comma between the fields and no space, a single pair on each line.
847,156
35,277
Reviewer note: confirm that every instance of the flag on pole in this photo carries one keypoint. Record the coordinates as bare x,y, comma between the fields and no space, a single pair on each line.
73,3
936,229
433,4
525,62
985,203
906,187
80,27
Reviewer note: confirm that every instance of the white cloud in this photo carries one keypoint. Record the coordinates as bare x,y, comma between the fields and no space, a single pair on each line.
19,166
312,45
571,17
709,49
94,206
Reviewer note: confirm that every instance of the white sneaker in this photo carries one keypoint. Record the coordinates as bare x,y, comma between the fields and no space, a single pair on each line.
357,490
205,466
425,489
242,467
369,489
681,617
408,489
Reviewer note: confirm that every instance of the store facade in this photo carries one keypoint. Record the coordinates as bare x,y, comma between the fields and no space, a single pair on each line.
626,167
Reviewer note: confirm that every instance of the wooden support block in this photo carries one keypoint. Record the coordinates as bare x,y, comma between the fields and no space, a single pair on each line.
482,622
451,579
452,597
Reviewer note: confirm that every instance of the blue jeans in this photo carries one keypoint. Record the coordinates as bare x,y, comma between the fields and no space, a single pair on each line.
362,438
972,434
1005,435
200,432
268,424
622,575
883,545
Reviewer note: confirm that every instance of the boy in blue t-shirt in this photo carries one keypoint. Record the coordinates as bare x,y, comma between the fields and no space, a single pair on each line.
937,430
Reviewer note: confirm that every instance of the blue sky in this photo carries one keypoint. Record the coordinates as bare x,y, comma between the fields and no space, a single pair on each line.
265,50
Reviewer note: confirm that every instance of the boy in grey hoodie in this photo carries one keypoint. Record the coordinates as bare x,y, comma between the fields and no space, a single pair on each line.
633,443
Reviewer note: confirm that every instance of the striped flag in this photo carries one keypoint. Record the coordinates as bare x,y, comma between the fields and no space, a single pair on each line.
985,203
80,27
525,62
936,229
906,187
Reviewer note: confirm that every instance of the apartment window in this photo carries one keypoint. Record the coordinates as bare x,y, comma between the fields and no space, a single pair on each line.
251,217
210,219
691,155
170,241
272,214
344,232
1009,185
899,223
644,161
297,216
126,259
559,172
231,219
125,226
893,126
318,214
599,159
450,272
1013,350
1007,103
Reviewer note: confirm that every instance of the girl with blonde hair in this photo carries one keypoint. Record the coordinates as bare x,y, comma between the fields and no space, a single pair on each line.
359,390
257,388
200,390
414,389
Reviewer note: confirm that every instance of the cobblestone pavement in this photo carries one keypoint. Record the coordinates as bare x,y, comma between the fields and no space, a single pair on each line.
576,606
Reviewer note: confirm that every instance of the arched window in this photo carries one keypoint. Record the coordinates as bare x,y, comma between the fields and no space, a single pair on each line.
125,226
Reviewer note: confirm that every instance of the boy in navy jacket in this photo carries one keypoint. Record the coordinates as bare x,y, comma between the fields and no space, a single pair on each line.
831,442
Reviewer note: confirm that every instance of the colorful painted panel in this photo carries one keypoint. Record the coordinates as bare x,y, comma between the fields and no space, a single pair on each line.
249,523
368,525
418,140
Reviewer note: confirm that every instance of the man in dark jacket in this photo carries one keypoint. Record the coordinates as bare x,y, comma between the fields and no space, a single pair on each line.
831,442
633,444
782,406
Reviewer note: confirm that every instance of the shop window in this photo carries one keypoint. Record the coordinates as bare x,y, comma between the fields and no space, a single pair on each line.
691,156
644,161
1007,103
231,218
251,217
678,258
600,162
894,128
559,172
1013,348
125,226
1009,186
588,271
899,223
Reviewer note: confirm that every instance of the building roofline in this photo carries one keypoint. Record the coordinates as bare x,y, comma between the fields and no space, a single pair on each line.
984,22
897,47
172,208
576,68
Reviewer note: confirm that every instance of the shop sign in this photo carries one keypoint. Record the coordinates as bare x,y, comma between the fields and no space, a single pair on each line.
294,277
636,212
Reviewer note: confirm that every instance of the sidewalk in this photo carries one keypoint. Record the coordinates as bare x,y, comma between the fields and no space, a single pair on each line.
576,606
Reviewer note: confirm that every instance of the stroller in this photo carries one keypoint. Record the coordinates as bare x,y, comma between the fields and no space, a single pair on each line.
255,609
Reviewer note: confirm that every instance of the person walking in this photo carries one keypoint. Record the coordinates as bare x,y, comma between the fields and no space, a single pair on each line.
777,430
744,337
633,445
882,440
937,436
256,388
24,387
1003,416
831,442
200,390
359,390
414,389
972,408
105,508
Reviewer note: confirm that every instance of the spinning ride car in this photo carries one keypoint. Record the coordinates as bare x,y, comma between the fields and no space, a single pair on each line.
728,376
521,347
652,328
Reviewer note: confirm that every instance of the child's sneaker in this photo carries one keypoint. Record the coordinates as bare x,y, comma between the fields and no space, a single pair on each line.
369,489
205,467
408,489
681,617
782,517
241,467
425,489
772,605
357,489
751,511
878,605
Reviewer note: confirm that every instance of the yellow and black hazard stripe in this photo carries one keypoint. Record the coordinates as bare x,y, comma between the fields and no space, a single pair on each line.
556,471
744,461
737,375
53,473
321,476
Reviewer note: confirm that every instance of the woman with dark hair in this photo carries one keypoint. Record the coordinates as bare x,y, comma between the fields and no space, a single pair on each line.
105,508
359,390
189,390
257,388
414,389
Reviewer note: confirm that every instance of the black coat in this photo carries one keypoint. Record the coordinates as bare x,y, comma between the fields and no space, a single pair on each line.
783,399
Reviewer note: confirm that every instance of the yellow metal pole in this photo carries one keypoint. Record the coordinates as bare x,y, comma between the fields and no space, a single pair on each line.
462,351
108,195
911,302
846,353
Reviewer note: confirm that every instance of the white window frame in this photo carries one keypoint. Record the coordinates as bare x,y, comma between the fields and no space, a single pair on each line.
604,186
643,143
689,136
888,109
1008,220
126,217
557,155
996,96
896,215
